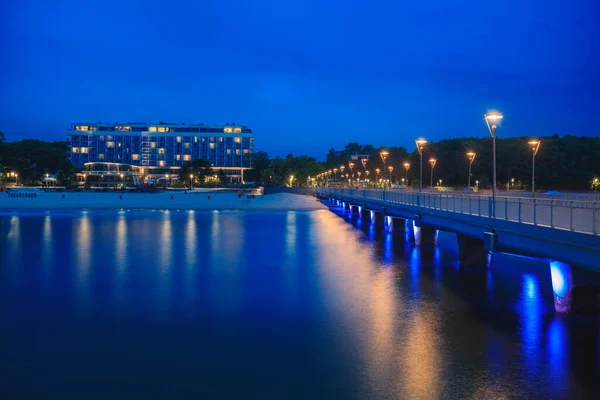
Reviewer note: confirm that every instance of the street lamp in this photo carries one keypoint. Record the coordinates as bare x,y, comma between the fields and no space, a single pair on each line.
377,171
535,146
406,167
391,169
342,168
492,120
351,166
191,182
432,162
420,144
384,155
471,156
291,180
364,162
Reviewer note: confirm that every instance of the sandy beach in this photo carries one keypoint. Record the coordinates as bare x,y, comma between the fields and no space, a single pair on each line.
163,200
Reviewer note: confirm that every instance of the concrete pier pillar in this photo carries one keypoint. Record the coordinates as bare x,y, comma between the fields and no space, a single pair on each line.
376,217
425,235
471,251
354,209
562,286
394,224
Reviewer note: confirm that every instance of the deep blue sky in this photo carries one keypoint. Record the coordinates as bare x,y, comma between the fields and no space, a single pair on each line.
305,75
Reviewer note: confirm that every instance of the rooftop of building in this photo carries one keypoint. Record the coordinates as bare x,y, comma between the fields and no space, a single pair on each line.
160,126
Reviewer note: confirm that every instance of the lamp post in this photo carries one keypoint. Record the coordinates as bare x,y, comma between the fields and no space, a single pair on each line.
492,120
391,169
383,153
191,182
535,146
471,156
432,162
420,144
364,163
406,167
291,180
342,168
377,171
351,166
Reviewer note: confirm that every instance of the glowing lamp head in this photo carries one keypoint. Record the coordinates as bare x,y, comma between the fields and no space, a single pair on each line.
390,168
493,119
535,146
420,144
406,165
377,171
384,153
432,161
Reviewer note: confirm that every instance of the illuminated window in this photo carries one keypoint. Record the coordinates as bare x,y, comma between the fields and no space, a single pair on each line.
152,129
237,130
196,139
237,140
186,145
110,144
101,138
178,139
187,157
237,152
228,151
100,156
162,129
161,151
93,128
75,149
221,139
152,145
228,130
118,144
84,150
178,157
110,138
246,151
81,128
161,163
135,157
212,145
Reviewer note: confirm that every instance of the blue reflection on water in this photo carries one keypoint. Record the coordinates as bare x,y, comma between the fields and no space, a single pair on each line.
531,309
303,298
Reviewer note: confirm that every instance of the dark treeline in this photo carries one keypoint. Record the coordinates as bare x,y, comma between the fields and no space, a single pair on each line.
32,158
567,162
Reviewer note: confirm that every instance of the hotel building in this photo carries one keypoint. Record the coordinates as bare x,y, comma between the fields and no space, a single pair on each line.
161,149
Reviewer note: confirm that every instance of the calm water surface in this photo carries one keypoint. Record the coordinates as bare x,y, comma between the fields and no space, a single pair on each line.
272,305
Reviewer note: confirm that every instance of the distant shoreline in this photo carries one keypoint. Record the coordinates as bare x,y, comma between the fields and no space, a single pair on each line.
159,200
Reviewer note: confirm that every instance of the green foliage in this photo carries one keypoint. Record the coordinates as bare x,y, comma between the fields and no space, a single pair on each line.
199,168
32,158
277,171
567,162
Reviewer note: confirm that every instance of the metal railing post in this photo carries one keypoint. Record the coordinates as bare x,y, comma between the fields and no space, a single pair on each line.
506,209
551,214
534,211
519,210
571,216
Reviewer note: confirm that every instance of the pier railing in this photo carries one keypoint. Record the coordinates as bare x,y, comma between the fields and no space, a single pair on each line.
573,215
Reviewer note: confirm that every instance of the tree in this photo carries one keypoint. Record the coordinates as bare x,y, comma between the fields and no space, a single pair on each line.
260,162
2,137
199,168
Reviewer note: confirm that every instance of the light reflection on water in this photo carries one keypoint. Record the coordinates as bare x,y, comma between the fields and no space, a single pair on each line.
327,306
